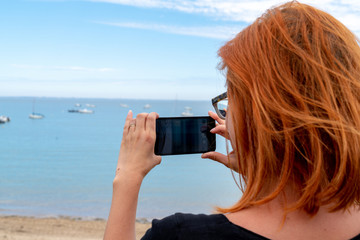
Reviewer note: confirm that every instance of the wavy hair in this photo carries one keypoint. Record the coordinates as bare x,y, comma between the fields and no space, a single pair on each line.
293,80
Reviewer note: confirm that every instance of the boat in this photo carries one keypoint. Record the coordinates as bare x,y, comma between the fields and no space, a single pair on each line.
187,112
36,116
85,110
77,105
4,119
124,105
90,105
147,106
73,110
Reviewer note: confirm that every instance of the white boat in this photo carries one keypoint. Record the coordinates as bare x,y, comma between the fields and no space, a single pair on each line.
85,110
4,119
187,112
77,105
124,105
90,105
36,116
147,106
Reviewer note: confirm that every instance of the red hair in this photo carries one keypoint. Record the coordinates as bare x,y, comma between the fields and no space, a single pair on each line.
293,81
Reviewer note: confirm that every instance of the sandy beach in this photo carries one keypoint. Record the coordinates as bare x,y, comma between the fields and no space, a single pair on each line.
62,228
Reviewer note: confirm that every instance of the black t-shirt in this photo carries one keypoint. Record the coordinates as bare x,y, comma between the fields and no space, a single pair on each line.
197,227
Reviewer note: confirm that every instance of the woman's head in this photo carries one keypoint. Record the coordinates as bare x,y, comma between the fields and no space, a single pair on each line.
293,80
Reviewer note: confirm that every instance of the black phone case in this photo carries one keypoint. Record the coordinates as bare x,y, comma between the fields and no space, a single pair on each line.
189,139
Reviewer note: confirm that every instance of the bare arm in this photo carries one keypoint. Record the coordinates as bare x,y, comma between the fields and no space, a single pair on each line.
121,221
136,159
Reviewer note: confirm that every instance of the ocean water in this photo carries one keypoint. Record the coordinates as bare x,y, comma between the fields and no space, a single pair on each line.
64,164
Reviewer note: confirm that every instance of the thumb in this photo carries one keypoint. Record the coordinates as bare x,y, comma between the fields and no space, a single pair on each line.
218,157
157,159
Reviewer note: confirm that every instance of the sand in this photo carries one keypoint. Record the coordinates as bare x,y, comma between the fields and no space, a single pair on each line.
64,228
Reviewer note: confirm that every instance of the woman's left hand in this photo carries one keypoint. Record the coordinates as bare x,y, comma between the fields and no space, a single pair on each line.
137,155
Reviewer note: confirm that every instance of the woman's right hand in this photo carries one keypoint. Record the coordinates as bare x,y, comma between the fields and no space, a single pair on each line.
137,145
229,160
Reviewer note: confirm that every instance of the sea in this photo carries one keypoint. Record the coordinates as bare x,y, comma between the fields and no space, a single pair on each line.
64,164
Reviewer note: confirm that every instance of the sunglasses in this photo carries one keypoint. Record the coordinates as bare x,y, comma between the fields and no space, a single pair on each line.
220,104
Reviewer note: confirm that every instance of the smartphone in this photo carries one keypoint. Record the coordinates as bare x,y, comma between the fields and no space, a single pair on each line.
184,135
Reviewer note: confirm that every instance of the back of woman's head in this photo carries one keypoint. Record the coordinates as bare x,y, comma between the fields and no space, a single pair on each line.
294,92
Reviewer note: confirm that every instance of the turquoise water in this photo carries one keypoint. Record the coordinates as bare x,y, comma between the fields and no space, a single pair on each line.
64,164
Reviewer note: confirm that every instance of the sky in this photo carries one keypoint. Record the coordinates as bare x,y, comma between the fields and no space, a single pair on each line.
139,49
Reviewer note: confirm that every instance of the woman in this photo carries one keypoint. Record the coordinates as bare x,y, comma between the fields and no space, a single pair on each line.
293,80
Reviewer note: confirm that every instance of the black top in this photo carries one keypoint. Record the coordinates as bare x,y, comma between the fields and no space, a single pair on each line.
196,227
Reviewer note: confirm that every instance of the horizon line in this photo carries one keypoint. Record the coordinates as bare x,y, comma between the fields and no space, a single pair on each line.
109,98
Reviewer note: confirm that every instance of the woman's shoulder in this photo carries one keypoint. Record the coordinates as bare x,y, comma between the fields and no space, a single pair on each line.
197,226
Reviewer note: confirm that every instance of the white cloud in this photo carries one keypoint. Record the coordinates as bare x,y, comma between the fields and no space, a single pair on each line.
347,11
217,32
82,69
236,10
62,68
229,10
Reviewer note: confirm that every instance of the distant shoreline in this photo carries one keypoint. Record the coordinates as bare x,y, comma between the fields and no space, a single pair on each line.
62,227
142,220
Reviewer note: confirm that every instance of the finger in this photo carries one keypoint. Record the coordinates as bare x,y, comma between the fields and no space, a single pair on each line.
132,125
216,117
150,124
218,157
220,129
140,121
127,122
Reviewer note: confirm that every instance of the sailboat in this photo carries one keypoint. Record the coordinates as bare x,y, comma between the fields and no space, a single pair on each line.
124,105
187,112
35,115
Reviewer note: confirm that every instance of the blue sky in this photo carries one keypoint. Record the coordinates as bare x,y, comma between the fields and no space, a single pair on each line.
126,48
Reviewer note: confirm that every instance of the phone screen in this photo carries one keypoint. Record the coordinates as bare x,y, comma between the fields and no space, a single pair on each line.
184,135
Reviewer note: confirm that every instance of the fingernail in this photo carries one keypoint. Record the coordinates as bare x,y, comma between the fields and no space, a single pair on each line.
129,112
212,130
